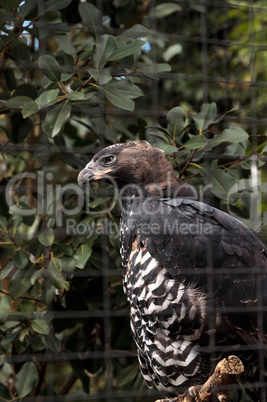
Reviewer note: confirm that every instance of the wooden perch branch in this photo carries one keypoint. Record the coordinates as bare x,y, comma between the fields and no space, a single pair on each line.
226,373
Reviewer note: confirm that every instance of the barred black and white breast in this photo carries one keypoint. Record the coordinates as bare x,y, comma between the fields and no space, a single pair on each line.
195,277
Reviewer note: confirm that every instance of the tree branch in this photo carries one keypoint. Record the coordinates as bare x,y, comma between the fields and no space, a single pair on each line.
226,373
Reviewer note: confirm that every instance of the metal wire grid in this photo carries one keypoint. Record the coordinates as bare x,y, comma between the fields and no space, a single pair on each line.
155,112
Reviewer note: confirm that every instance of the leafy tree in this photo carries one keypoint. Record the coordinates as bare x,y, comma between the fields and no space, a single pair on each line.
76,78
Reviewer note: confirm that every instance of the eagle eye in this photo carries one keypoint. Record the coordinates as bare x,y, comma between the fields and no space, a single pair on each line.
108,160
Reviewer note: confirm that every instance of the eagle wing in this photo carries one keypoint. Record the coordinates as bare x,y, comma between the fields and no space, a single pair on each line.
200,244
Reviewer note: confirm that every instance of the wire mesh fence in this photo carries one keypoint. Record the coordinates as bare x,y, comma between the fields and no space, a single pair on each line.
79,76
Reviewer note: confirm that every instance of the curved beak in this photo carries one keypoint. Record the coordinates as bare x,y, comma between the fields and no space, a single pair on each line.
87,175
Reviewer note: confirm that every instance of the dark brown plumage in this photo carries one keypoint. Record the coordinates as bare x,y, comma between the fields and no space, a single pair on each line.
195,277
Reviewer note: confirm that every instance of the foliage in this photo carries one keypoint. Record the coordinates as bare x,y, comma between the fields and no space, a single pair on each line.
70,77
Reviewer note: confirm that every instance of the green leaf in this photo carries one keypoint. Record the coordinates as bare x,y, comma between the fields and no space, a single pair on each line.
117,98
40,326
176,120
66,249
53,343
92,18
228,111
103,49
233,134
196,142
4,304
68,264
7,270
150,70
4,308
47,98
56,276
221,182
75,96
29,109
19,284
126,50
82,255
206,116
102,77
167,149
27,7
3,222
126,88
37,275
165,9
47,237
172,51
55,5
18,102
46,83
50,67
65,43
26,379
136,31
56,118
156,130
21,258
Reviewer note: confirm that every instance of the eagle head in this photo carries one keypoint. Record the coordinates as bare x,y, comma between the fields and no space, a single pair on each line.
137,163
